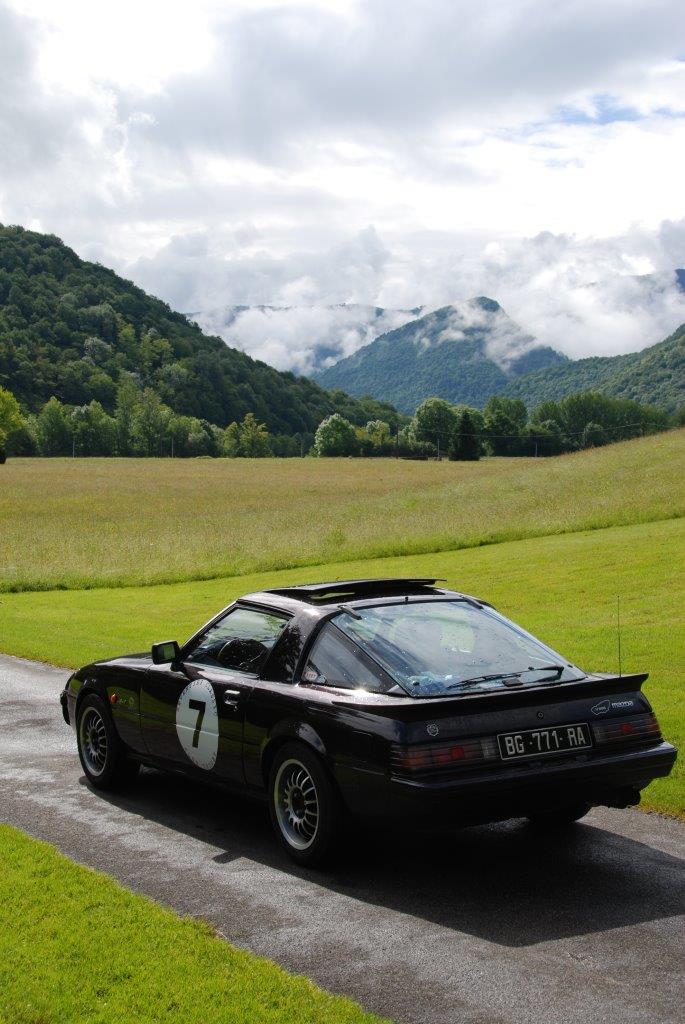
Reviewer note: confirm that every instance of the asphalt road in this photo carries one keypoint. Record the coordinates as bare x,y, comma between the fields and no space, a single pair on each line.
491,924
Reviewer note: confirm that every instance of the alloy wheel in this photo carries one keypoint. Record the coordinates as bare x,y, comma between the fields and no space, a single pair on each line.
296,803
93,737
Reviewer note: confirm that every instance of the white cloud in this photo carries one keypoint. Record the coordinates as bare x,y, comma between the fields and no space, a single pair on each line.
236,154
583,296
505,342
302,338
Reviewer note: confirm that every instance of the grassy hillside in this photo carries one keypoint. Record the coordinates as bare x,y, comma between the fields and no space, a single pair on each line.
655,376
563,588
446,353
76,948
108,522
75,330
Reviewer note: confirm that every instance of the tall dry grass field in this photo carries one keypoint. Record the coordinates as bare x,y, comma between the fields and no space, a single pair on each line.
74,523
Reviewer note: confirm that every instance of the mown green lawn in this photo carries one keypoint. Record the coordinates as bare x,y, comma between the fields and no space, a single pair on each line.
562,588
76,948
68,523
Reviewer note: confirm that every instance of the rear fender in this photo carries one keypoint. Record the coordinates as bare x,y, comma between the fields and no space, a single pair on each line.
288,731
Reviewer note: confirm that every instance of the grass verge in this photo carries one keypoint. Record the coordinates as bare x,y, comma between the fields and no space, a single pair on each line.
562,588
76,948
81,523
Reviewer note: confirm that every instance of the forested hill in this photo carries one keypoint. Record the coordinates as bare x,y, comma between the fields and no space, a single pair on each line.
463,353
655,376
75,329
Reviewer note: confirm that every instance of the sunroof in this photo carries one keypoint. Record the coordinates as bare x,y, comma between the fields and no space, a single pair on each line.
345,590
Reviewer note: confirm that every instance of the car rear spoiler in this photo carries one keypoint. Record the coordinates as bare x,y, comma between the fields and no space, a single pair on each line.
409,708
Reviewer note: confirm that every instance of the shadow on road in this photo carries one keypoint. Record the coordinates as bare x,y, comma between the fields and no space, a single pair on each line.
506,883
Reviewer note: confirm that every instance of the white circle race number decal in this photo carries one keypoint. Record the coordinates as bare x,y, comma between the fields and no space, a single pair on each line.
197,723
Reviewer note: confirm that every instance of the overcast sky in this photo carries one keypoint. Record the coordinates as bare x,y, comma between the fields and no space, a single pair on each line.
387,152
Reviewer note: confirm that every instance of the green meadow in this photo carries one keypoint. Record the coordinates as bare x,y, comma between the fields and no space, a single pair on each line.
76,947
78,523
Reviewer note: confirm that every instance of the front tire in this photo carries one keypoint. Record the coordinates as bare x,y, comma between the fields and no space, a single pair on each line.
100,750
304,807
561,817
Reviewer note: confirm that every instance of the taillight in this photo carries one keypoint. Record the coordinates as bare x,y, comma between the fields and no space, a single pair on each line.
436,756
637,727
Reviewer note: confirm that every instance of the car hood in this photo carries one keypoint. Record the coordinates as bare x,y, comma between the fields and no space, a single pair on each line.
139,661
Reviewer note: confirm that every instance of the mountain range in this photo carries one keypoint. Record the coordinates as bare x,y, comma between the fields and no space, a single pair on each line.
467,352
464,353
75,330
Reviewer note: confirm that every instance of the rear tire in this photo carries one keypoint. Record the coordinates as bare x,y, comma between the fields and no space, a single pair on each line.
101,752
306,813
560,818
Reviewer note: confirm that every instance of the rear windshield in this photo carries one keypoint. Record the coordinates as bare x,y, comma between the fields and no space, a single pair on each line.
432,648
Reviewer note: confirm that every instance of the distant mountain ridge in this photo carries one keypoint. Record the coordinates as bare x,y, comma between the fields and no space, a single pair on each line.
309,337
464,353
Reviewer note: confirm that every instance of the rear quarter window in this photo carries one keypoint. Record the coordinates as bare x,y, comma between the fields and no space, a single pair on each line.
335,660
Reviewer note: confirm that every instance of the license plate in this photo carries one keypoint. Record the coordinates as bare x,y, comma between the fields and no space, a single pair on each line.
534,742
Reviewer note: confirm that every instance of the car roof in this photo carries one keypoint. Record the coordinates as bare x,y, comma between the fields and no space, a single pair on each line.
350,592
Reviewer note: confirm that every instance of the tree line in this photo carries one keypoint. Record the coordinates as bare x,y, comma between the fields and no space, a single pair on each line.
142,425
503,427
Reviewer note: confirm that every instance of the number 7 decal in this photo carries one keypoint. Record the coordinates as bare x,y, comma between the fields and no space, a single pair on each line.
199,706
197,723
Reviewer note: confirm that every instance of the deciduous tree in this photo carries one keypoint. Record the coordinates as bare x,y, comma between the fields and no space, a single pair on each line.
54,429
254,438
94,432
128,396
150,421
435,421
505,421
335,436
10,418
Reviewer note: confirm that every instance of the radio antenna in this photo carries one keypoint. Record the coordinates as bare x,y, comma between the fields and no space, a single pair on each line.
618,631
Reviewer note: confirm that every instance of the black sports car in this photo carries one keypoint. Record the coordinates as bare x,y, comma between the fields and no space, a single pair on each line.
386,698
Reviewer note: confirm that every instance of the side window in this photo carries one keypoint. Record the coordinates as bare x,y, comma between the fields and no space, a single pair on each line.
337,661
240,641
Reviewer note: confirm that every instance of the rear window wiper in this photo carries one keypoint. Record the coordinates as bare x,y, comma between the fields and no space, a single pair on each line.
558,669
481,679
509,675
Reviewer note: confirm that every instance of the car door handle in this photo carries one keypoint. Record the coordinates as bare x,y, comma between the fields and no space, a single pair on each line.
231,698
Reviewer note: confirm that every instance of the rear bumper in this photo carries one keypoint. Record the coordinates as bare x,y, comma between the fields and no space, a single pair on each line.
612,779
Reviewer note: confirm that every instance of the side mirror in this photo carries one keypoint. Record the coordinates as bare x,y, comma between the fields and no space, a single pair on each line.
165,652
